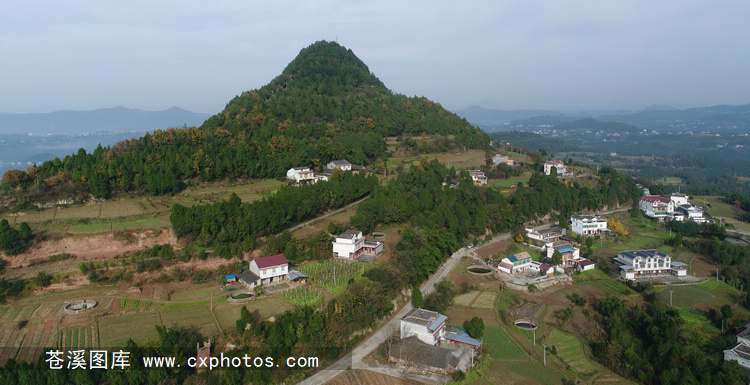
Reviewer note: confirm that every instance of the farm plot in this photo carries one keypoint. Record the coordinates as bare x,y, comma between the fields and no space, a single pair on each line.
500,346
196,292
535,371
78,338
196,315
570,350
684,296
128,302
466,299
333,276
115,331
486,300
303,297
613,287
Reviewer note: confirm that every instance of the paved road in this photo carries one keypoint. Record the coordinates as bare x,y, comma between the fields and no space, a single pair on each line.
354,359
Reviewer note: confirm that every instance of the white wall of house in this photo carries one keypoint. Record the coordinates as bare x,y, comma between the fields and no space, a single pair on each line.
732,356
409,329
270,273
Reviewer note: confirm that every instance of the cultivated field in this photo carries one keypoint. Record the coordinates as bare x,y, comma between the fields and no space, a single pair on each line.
333,275
136,212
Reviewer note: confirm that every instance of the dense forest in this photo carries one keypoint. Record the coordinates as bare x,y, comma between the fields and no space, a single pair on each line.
651,344
325,105
232,226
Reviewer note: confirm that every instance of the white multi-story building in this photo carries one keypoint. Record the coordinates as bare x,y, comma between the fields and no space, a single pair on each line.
678,199
428,326
478,177
543,236
588,225
351,244
300,174
557,164
638,263
656,206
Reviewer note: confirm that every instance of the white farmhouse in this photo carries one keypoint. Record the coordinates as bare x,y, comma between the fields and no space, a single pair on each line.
351,244
557,164
478,177
343,164
300,174
588,224
656,206
270,269
428,326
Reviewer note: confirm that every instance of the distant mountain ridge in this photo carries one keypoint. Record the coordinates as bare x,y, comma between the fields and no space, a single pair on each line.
99,120
721,118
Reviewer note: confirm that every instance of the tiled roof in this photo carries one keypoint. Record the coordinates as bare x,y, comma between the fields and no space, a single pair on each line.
349,234
632,254
275,260
656,198
463,339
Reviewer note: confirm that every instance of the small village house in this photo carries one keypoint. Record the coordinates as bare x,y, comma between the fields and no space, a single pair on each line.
351,244
586,225
428,326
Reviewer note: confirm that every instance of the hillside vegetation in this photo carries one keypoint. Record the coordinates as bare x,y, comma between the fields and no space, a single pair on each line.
325,105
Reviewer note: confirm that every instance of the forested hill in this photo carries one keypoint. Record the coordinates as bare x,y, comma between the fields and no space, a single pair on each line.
328,105
325,105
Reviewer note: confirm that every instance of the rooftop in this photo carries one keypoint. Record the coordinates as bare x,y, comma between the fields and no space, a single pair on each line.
740,349
519,257
274,260
589,218
432,320
349,234
632,254
464,339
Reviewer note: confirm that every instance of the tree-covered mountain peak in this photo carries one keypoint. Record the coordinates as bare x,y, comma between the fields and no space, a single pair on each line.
329,67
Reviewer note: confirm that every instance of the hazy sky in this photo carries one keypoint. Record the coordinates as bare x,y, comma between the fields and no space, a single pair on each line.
197,55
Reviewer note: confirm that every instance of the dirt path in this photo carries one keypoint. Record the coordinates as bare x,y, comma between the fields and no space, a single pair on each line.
326,215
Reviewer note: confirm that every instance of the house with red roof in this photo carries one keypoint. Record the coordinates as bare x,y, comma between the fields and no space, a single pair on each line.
270,269
559,167
656,206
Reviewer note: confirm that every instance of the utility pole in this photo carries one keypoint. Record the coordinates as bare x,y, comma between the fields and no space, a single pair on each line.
534,337
544,349
670,298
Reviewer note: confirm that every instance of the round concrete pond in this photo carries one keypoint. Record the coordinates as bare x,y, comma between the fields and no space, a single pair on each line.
80,306
479,269
525,324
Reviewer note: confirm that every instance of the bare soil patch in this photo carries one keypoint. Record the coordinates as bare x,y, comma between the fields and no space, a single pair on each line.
702,266
492,250
92,248
458,315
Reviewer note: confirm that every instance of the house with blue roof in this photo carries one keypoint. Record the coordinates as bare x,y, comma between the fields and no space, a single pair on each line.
428,326
640,263
517,263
